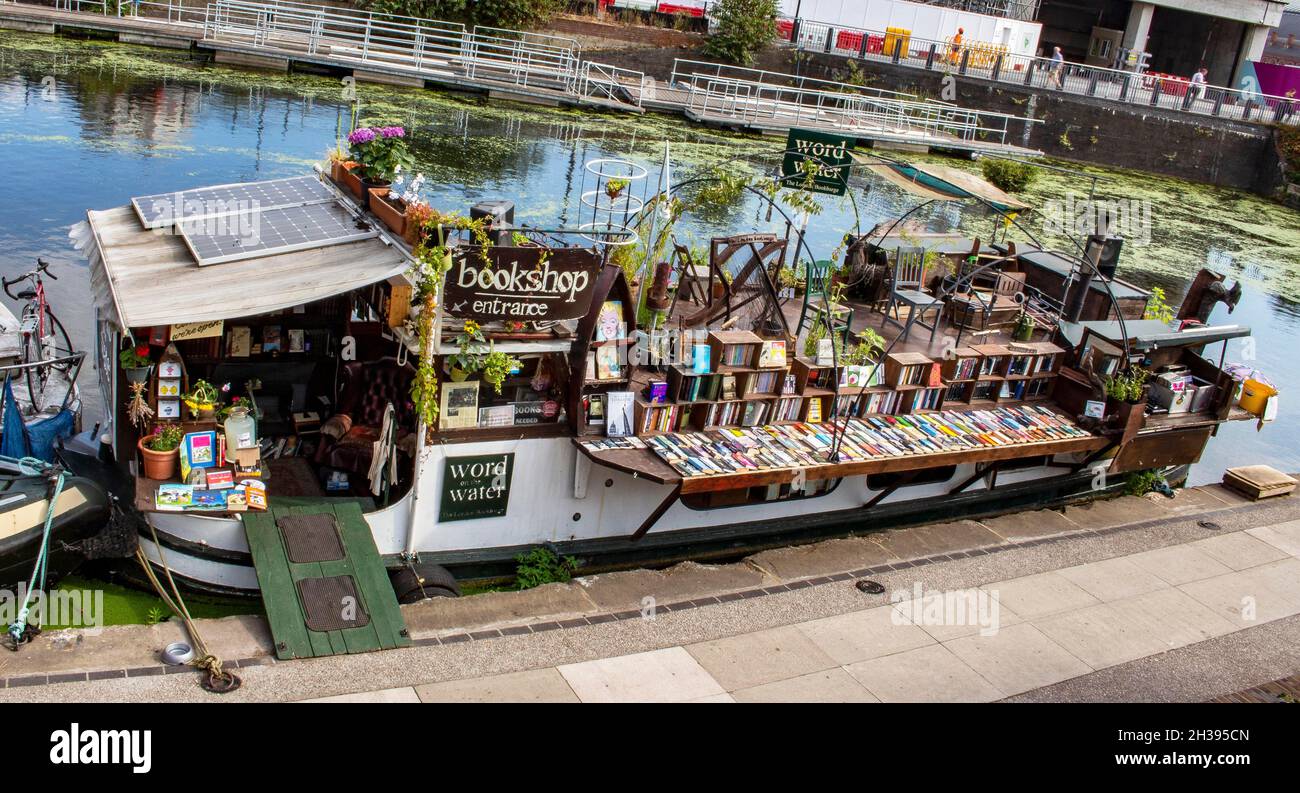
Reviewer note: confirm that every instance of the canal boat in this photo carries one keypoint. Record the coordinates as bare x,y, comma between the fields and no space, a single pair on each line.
718,430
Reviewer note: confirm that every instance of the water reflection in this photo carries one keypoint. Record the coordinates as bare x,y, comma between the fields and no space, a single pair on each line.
119,121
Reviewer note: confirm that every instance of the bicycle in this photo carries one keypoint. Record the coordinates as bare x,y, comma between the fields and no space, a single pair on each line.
36,322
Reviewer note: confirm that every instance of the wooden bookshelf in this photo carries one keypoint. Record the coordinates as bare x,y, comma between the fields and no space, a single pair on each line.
733,350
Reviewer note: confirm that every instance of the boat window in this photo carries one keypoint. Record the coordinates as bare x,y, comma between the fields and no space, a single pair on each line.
1023,463
928,476
748,496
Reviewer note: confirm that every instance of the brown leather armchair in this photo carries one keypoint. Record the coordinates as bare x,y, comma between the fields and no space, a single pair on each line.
348,436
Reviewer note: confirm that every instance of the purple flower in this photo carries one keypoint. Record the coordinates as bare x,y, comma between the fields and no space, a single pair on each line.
392,132
360,136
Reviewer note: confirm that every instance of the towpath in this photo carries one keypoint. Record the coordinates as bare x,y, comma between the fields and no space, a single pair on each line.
1193,598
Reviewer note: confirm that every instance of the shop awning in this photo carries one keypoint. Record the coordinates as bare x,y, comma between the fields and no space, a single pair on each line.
142,278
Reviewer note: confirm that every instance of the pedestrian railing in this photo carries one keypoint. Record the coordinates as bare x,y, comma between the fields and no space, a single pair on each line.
775,105
684,69
991,62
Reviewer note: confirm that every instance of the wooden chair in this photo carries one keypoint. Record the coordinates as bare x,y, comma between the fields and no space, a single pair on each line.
817,306
907,290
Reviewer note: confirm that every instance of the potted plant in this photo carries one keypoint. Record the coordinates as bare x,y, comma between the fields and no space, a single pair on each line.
496,366
1024,330
394,204
873,343
136,363
380,152
1126,397
615,187
160,451
469,360
203,400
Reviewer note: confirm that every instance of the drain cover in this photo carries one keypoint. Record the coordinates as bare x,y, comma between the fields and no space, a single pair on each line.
331,604
1209,524
870,587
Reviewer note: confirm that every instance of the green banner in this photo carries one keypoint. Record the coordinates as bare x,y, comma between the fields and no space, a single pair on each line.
476,487
828,155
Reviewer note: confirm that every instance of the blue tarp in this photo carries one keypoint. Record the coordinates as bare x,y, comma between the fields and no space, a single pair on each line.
19,439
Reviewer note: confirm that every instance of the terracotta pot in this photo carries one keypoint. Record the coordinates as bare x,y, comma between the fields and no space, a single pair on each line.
368,186
389,210
352,181
413,234
158,465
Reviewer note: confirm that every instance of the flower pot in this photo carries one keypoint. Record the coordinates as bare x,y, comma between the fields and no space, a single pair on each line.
1132,417
158,465
414,234
391,211
370,185
202,411
349,178
139,375
458,375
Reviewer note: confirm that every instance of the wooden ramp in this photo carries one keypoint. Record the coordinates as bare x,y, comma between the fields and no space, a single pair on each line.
324,585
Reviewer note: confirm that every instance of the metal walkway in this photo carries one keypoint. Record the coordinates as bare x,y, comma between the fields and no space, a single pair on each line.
524,66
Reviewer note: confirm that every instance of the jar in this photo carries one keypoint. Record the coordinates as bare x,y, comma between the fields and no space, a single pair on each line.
241,431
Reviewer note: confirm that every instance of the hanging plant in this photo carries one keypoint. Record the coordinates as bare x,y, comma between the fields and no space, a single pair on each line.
496,366
137,408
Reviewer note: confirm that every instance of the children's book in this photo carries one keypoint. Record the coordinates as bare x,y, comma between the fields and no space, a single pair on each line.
173,497
198,450
609,323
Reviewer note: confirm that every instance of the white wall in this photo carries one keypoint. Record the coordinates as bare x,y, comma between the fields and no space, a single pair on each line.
924,21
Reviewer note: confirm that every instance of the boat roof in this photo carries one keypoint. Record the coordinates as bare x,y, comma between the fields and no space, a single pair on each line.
1063,267
144,277
936,182
1150,334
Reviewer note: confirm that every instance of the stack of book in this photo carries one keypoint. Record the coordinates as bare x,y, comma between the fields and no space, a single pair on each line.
740,450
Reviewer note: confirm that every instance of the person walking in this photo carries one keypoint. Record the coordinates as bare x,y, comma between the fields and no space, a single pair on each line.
1198,83
954,49
1057,72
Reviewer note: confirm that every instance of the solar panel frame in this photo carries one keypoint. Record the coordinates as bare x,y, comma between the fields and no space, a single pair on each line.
224,200
280,230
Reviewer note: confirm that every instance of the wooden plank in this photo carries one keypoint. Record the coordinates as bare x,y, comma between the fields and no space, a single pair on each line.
372,577
279,594
338,641
322,644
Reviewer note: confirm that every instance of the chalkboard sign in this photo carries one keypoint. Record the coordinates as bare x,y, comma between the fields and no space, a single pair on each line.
521,284
476,487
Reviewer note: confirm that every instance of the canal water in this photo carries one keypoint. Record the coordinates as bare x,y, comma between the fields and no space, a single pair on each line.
87,125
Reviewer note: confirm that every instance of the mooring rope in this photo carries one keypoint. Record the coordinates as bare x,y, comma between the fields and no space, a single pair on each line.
218,681
18,633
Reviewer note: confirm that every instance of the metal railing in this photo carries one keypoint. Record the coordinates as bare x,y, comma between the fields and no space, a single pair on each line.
992,62
774,105
684,69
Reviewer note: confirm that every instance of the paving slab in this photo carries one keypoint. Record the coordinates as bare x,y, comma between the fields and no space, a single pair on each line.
667,675
1284,536
926,674
1282,577
1239,550
1111,512
817,559
1018,658
752,659
627,590
1100,636
829,685
862,635
1226,495
1242,599
1030,525
1040,595
1173,617
439,615
1179,564
535,685
406,694
938,538
1186,501
1112,579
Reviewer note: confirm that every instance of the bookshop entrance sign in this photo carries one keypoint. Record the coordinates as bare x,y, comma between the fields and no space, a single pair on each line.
476,487
522,284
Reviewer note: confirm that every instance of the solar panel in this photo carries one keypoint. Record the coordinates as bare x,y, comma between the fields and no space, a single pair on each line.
161,210
263,232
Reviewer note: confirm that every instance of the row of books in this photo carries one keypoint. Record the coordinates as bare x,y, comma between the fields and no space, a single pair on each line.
966,369
929,399
667,418
748,414
763,382
1029,365
914,374
735,450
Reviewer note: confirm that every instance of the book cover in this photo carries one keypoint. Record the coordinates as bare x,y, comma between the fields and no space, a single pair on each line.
700,359
240,343
594,405
459,405
608,366
209,501
814,411
198,450
496,416
297,340
618,413
271,338
609,323
728,386
591,366
658,391
173,497
772,355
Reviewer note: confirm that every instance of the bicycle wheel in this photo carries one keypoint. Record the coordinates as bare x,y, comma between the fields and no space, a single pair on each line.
35,381
62,342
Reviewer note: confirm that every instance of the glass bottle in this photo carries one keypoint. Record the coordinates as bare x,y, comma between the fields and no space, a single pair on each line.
241,432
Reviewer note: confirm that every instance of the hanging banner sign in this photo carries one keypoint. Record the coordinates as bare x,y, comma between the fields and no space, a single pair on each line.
522,284
476,487
828,155
197,330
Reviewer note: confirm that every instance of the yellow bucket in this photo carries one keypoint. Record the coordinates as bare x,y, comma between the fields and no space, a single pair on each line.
1255,395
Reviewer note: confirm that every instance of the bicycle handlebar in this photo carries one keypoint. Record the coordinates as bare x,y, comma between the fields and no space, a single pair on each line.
42,267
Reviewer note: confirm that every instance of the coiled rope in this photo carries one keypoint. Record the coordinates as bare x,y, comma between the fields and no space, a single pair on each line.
218,681
20,632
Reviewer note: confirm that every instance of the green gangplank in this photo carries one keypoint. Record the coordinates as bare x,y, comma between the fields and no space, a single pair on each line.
279,577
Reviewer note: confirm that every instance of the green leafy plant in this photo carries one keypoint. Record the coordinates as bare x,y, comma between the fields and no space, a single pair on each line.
542,566
1158,307
742,28
496,366
1139,483
203,393
135,357
379,150
155,615
166,439
1127,386
615,187
873,342
1007,175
